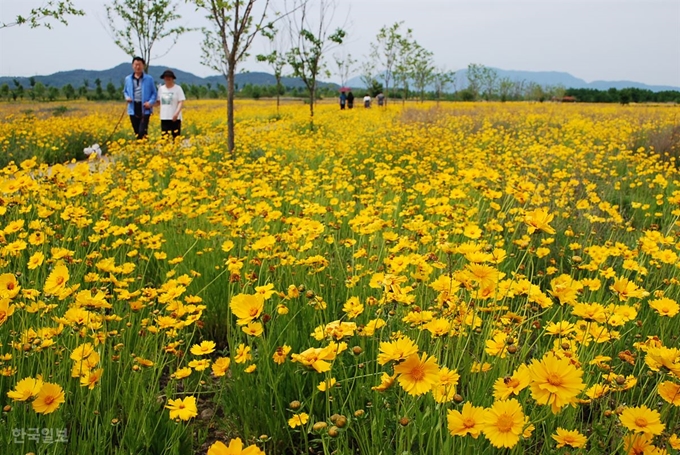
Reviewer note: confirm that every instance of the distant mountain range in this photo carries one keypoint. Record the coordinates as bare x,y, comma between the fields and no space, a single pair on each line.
545,78
117,74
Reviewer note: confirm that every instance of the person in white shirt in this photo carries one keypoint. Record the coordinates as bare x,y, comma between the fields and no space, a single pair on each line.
367,100
171,98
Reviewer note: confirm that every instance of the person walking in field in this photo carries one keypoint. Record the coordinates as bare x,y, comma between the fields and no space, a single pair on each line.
367,101
381,99
350,100
140,95
171,98
343,100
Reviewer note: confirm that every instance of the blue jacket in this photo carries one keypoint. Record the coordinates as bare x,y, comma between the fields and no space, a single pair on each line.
149,93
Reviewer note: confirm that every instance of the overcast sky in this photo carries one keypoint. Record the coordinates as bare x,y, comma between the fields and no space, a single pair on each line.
637,40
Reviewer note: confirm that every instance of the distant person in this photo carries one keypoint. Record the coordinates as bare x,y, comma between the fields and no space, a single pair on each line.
171,98
381,99
350,100
343,100
140,94
367,101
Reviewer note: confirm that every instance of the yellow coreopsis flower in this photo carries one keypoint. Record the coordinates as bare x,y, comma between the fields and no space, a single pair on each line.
56,281
242,354
25,389
555,381
316,358
9,286
182,373
503,423
6,310
539,219
182,409
200,365
469,420
206,347
91,378
298,420
417,375
641,419
512,385
48,399
220,366
326,385
626,289
281,354
571,438
396,350
36,260
665,306
235,448
670,392
247,307
253,329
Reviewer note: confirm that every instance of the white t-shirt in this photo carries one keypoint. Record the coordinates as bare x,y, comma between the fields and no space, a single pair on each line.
170,98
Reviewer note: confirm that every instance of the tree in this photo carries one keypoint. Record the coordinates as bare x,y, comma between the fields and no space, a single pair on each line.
474,77
235,23
345,64
368,74
276,60
441,78
39,91
52,93
145,23
112,92
5,91
505,87
403,69
391,43
51,10
489,82
98,90
311,41
18,90
69,92
84,89
31,84
421,68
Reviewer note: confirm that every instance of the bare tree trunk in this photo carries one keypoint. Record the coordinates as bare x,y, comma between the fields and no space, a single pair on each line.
230,108
312,100
278,93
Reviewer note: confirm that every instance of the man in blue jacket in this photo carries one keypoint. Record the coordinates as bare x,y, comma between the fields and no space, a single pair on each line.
140,94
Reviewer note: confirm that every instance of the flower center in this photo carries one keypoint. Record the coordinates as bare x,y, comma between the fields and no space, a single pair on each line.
554,379
468,422
417,373
641,422
48,400
504,423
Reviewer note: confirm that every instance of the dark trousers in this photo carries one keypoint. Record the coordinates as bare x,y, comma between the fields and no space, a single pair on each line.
140,122
173,127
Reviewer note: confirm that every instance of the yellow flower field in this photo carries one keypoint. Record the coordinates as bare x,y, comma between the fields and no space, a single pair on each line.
467,278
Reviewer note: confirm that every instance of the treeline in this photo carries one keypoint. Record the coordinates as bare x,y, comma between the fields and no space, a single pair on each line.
37,91
491,90
623,96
